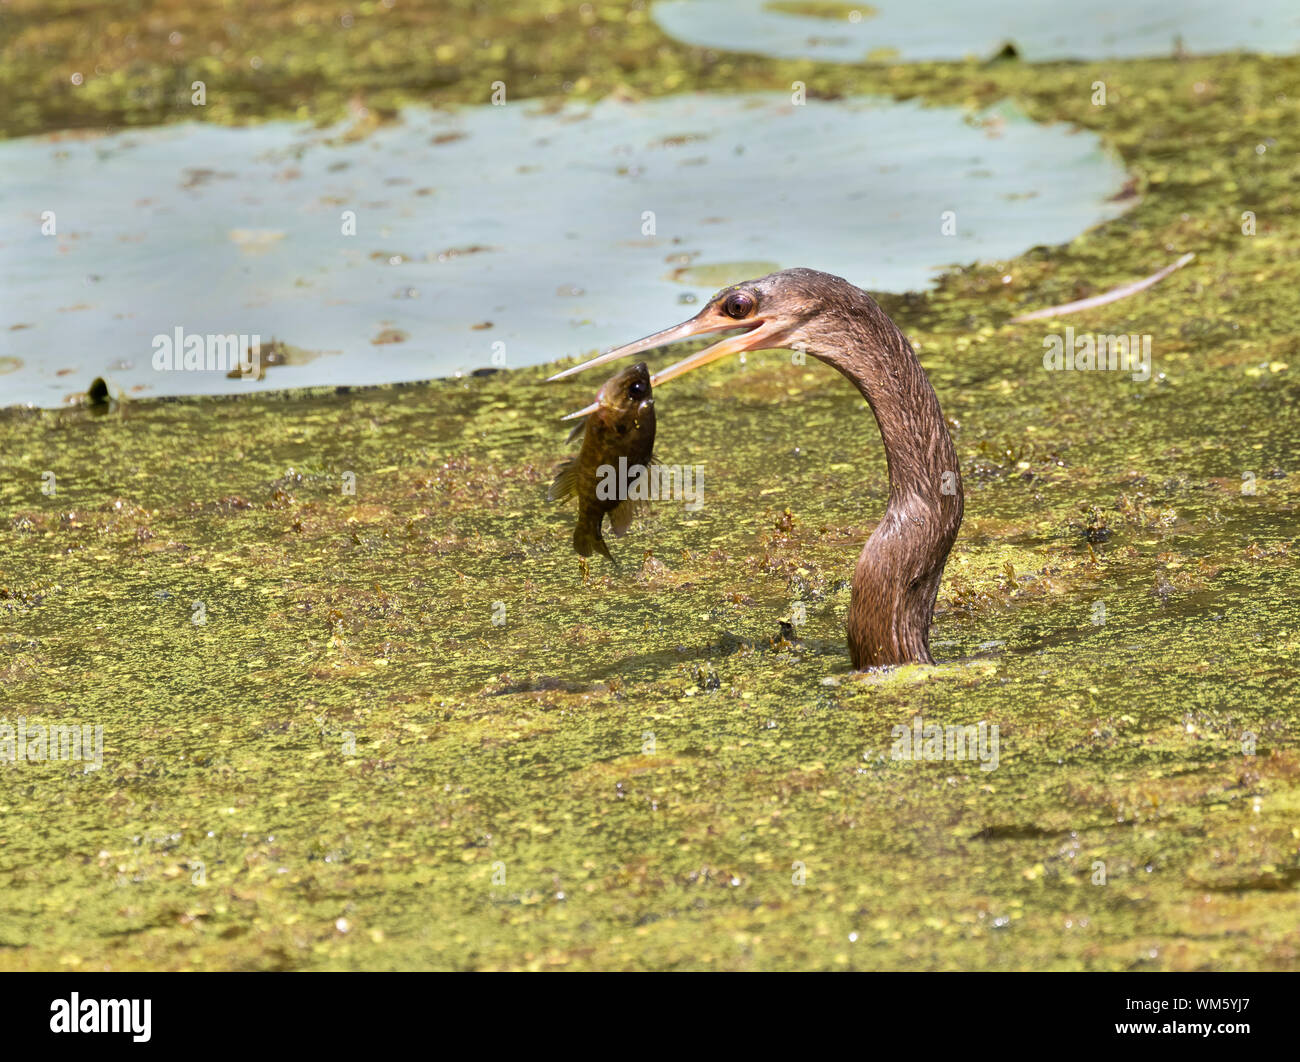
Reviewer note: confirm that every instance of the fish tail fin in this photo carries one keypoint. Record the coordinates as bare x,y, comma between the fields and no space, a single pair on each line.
587,539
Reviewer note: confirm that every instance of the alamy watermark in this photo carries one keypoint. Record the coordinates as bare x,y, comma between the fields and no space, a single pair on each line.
208,352
35,742
1098,353
930,741
77,1015
620,482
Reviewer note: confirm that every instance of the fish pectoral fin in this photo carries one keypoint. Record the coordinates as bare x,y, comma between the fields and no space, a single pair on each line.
578,429
566,480
620,517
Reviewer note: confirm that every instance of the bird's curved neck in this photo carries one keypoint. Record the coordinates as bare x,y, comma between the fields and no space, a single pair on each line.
919,452
897,577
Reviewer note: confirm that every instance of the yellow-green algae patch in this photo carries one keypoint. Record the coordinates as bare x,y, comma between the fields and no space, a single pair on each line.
626,770
409,733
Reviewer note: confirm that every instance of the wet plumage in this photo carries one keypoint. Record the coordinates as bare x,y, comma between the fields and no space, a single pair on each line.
618,437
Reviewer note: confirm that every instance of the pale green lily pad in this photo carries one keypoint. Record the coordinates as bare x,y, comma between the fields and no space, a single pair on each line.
499,236
894,31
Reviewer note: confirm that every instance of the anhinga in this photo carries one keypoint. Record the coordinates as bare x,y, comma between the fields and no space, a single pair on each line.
897,576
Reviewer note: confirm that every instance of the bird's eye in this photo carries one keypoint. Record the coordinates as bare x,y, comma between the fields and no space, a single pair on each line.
738,304
637,389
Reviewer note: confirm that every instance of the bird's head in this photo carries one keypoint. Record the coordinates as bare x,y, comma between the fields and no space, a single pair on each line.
795,308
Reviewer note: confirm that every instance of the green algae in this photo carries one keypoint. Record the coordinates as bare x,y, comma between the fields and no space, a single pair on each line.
410,733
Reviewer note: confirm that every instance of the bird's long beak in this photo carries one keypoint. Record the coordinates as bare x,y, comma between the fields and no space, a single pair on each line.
757,336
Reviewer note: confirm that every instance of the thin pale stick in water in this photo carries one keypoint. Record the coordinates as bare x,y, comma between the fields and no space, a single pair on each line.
1114,295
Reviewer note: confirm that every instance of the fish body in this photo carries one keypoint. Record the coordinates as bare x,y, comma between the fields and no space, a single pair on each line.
618,438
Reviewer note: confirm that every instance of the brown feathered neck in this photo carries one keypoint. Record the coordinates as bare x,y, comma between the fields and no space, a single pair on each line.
897,576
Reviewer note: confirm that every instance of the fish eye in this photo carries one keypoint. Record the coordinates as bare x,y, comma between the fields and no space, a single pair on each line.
739,304
637,389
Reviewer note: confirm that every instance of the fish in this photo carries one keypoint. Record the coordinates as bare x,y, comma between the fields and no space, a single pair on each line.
618,439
